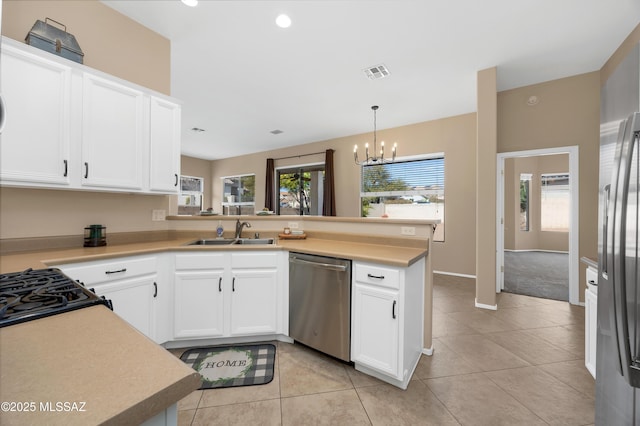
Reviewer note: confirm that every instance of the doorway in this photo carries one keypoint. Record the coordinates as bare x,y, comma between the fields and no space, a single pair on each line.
521,224
300,190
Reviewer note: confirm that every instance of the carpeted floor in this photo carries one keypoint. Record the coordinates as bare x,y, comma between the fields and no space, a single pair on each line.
538,274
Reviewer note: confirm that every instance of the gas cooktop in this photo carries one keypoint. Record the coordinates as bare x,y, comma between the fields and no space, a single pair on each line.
39,293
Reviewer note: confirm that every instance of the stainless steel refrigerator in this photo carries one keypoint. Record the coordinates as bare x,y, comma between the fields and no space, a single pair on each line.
618,336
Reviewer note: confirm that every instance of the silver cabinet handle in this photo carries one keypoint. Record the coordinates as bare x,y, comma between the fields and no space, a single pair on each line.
220,284
233,284
155,289
116,272
393,310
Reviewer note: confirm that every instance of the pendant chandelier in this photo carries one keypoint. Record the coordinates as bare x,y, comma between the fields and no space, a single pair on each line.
378,156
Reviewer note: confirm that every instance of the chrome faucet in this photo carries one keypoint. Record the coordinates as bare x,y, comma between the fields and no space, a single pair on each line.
240,226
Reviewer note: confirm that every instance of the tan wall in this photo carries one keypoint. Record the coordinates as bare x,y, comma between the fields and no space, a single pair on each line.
534,238
568,114
485,188
455,136
110,41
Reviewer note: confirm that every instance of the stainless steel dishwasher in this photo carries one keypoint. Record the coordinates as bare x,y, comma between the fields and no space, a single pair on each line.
320,303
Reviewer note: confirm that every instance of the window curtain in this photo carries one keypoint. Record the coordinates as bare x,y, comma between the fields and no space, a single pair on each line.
329,201
270,186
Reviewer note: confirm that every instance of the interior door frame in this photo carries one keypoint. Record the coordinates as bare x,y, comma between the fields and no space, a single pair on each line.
574,228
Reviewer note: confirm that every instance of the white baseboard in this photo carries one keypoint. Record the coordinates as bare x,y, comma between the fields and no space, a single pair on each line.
454,274
428,351
483,306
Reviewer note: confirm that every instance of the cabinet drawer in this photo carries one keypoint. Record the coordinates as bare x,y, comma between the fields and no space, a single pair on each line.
377,275
201,261
98,272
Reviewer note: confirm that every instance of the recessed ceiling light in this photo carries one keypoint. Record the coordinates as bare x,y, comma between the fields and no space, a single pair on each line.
283,21
191,3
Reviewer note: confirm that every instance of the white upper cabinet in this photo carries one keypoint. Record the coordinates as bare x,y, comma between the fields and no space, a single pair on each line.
164,164
113,134
69,126
35,143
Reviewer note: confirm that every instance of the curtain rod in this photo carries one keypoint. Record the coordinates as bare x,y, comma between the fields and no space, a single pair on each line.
298,156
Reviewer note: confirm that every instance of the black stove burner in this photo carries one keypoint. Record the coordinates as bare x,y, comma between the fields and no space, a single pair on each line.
33,294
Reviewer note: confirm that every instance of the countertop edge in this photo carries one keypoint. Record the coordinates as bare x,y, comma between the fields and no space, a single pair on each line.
377,253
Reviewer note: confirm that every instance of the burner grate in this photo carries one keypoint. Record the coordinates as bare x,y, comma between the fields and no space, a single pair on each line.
38,293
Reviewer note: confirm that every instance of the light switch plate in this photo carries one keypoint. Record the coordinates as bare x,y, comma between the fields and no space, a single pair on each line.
408,230
158,215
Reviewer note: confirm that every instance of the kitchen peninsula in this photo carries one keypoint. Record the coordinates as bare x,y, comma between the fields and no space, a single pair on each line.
365,241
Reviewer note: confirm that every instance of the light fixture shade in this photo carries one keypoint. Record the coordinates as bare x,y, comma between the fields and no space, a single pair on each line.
378,155
283,21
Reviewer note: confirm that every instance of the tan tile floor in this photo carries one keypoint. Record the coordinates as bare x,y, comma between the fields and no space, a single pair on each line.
520,365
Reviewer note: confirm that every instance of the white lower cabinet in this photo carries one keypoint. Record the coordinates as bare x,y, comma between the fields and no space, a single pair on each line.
387,320
132,300
137,287
375,312
198,295
227,294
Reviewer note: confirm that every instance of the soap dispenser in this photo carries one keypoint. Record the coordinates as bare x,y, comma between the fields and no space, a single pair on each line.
220,229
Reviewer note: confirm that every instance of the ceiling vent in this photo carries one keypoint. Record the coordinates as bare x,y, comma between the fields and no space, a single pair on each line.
376,72
276,132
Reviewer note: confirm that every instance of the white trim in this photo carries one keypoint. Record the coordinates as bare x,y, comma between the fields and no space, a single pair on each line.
428,351
574,231
483,306
454,274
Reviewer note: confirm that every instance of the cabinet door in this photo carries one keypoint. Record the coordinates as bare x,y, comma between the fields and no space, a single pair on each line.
133,301
34,145
113,135
164,164
254,301
375,328
198,304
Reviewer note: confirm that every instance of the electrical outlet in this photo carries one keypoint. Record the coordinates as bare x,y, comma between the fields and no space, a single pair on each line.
157,215
293,225
408,230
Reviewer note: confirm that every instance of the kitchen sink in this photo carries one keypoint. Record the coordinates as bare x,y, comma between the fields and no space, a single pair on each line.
254,241
230,241
212,242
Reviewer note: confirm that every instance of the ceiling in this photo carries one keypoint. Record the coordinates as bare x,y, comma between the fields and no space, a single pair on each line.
240,76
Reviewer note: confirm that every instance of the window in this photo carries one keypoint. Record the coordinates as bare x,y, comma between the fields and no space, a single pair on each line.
525,188
301,190
554,202
409,189
191,195
239,194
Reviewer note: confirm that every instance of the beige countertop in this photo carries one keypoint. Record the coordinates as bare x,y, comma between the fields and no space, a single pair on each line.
92,358
393,255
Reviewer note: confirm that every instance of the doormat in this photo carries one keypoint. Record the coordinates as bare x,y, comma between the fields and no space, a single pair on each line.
228,366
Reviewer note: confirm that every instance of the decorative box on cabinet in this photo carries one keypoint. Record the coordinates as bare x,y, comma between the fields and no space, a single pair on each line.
387,320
